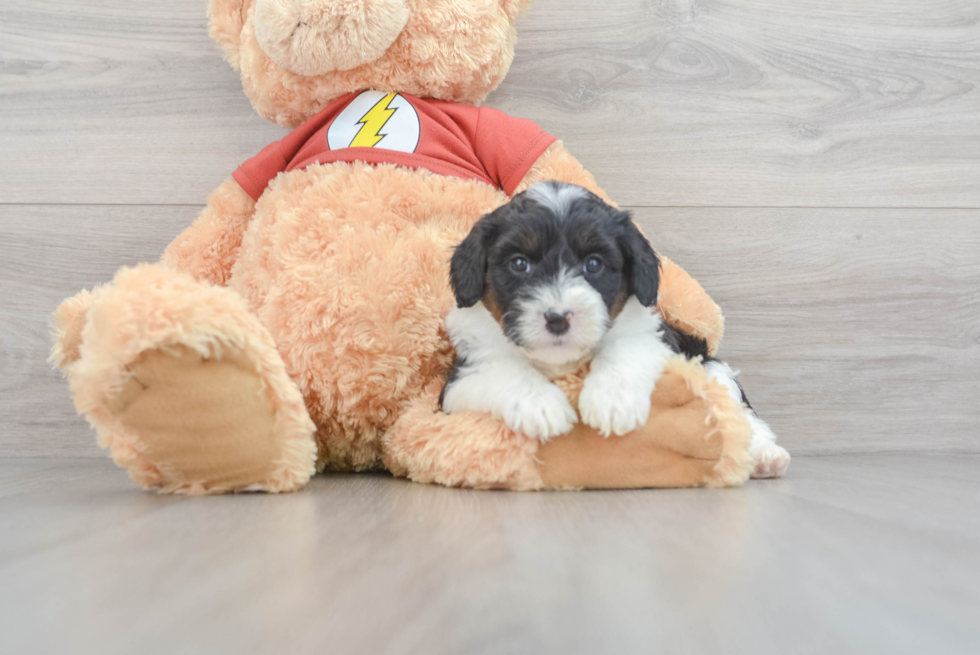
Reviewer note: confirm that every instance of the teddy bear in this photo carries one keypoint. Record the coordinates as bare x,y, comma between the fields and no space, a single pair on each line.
297,325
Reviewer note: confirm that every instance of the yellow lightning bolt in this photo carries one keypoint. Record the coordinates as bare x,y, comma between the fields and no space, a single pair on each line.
372,122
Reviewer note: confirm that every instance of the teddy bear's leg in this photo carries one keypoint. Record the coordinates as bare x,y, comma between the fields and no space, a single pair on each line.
696,435
469,449
187,389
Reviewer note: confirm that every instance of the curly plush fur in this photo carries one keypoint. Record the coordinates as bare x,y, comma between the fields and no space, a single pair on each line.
448,49
305,330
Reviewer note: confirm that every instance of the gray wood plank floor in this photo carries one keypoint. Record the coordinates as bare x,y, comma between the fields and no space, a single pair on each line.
849,554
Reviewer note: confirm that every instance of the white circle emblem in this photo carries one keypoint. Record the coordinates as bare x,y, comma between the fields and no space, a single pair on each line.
375,119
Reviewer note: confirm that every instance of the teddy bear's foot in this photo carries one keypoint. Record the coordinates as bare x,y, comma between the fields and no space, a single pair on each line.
187,389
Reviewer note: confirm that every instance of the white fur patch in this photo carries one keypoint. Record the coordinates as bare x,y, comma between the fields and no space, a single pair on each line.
588,321
615,397
723,374
556,196
769,460
498,378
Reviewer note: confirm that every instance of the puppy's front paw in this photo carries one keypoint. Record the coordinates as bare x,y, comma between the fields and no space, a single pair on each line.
613,405
541,412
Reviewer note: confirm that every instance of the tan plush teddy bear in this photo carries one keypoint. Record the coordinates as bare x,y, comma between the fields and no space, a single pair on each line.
297,325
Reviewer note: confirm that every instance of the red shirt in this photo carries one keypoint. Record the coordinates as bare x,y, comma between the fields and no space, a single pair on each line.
474,143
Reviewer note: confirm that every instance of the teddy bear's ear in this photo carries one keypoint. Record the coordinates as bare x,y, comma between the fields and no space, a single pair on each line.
225,21
515,8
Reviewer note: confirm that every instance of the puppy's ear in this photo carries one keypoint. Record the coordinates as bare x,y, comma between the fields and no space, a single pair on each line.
643,266
468,268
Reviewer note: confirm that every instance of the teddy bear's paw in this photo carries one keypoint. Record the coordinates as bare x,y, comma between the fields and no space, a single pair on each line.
613,406
189,423
541,412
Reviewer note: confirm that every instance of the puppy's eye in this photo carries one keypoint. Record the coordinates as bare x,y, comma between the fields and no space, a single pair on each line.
520,265
592,265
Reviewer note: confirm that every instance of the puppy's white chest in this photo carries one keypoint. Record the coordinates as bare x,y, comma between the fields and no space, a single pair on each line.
553,371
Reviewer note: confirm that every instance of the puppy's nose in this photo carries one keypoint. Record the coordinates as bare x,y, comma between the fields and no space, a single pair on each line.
556,323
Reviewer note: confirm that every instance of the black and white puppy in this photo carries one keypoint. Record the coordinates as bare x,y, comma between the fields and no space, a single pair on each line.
549,281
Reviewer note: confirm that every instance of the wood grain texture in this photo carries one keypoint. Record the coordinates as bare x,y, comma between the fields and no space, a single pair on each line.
669,102
844,556
855,330
760,102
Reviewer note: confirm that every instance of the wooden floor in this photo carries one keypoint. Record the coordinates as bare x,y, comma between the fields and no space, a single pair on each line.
850,554
815,164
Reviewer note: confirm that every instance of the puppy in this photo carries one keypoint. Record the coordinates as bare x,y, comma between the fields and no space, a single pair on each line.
551,280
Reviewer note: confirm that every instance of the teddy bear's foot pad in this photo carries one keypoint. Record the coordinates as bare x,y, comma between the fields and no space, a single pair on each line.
207,425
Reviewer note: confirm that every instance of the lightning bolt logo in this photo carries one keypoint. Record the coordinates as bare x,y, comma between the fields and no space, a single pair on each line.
372,122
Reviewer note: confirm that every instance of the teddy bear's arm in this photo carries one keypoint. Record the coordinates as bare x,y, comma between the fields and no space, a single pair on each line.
683,302
208,248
